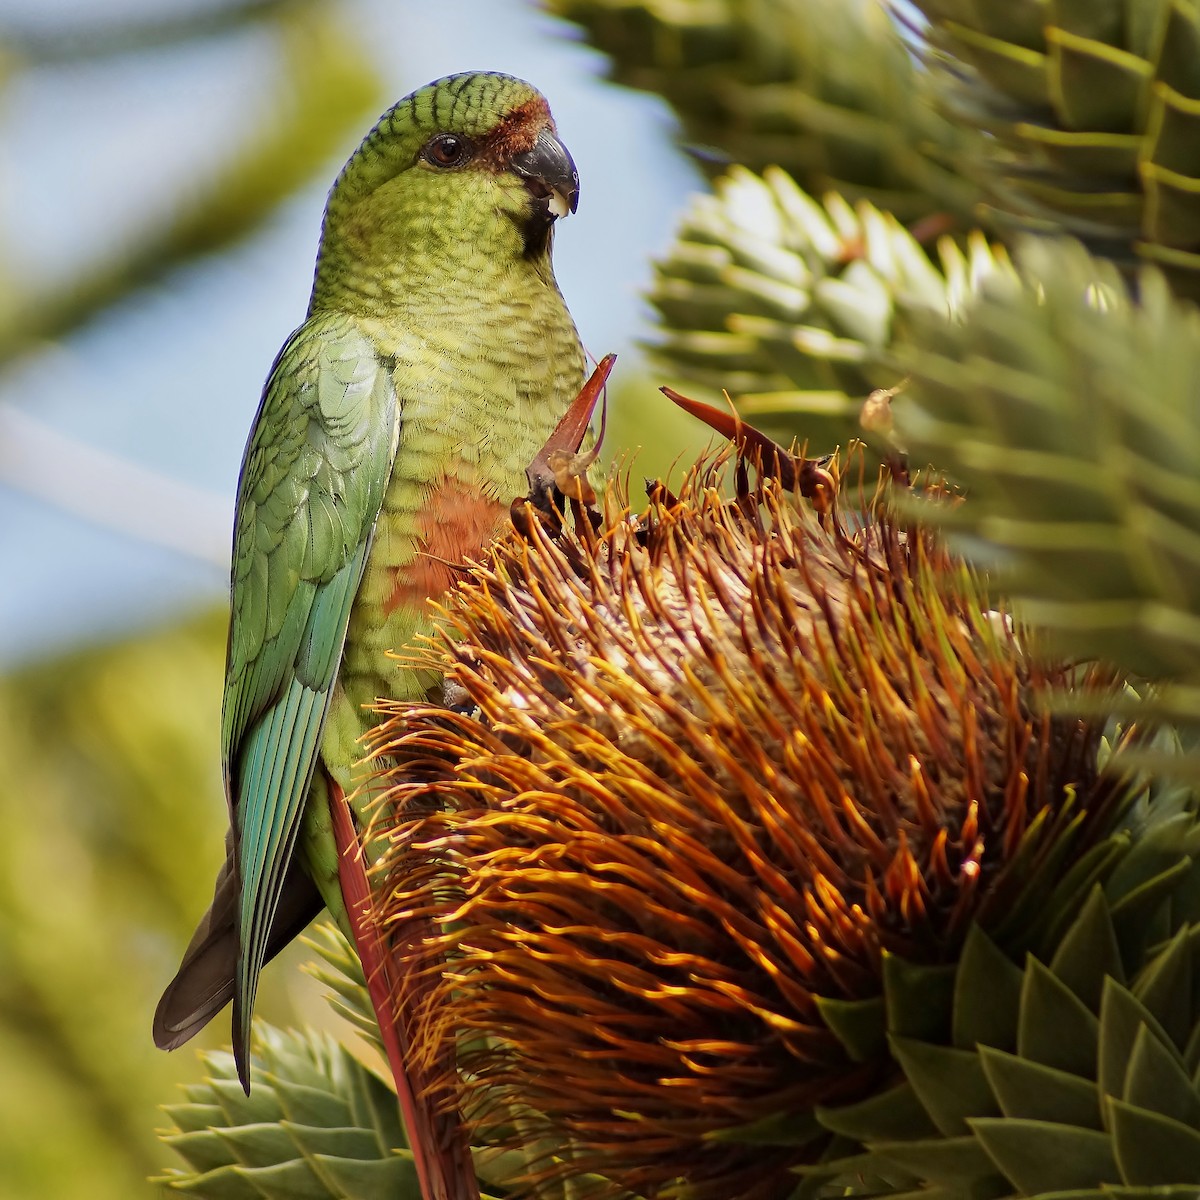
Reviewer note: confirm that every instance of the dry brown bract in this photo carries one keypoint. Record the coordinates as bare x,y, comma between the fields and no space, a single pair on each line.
725,757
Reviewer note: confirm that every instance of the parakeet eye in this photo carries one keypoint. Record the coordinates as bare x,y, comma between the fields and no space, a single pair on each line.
446,150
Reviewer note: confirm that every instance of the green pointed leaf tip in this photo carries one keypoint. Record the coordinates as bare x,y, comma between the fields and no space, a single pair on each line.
860,1025
1069,414
785,302
1089,953
1156,1080
894,1113
1093,126
317,1124
1093,1088
919,999
950,1084
945,1162
1040,1157
1027,1090
825,90
340,971
1152,1149
987,995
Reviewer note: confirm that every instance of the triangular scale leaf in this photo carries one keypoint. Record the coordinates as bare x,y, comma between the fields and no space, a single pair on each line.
949,1083
341,972
261,1105
919,999
1152,1149
1155,1080
1121,1018
1089,952
1165,988
289,1181
227,1183
1032,1091
952,1162
1155,855
987,995
1038,1156
860,1025
305,1105
191,1117
373,1106
862,1167
1069,900
1055,1027
258,1145
340,1142
1038,861
895,1113
284,1158
200,1149
1135,916
395,1177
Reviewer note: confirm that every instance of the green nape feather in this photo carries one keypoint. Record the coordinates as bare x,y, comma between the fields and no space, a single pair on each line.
394,429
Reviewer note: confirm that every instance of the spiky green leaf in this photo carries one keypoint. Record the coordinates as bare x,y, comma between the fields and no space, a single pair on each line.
786,303
1092,120
826,90
1072,1104
1070,413
317,1125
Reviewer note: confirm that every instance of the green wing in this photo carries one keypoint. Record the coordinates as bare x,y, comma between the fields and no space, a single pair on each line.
312,484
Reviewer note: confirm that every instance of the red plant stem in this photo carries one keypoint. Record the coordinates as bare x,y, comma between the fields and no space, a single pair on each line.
441,1176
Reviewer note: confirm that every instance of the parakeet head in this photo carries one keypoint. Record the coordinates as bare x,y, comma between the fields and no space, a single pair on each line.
468,163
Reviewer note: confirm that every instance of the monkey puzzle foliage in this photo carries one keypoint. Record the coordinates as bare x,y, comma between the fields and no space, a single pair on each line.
316,1122
823,89
788,304
1091,117
1070,410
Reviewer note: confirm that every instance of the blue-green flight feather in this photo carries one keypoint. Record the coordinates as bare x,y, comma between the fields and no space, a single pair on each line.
311,487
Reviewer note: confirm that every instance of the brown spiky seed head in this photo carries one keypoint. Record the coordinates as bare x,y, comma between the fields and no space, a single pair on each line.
724,759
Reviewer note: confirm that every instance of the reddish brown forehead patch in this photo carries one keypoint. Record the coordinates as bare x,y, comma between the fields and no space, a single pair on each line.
515,133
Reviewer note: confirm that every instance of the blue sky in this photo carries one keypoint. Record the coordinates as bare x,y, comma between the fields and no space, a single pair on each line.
170,382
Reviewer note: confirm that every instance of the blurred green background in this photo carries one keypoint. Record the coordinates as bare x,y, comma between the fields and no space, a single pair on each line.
162,172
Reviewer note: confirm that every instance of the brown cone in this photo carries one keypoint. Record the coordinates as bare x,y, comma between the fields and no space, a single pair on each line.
727,757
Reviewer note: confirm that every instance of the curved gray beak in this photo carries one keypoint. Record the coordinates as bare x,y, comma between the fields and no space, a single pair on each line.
549,172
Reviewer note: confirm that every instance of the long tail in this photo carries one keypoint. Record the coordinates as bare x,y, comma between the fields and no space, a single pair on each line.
439,1147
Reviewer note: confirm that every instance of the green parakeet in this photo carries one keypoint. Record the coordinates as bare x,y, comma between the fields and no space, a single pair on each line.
394,430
